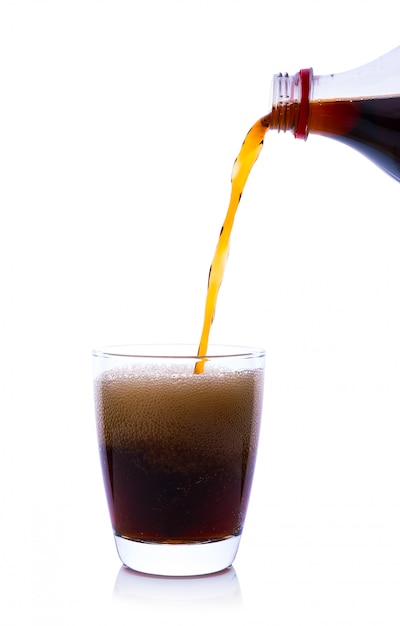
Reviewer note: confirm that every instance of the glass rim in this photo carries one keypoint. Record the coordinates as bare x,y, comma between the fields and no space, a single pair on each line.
177,351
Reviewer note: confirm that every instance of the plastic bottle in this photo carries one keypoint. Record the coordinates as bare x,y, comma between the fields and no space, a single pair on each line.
360,108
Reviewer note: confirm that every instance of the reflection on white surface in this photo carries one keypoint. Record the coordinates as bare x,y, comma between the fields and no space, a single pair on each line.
215,589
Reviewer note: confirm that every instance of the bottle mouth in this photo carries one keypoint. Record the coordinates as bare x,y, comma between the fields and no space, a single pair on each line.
285,89
291,102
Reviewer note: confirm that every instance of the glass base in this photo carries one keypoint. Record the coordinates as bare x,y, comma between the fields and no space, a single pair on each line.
177,559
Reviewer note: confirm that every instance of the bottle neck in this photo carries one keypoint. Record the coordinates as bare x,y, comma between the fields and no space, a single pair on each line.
291,102
291,95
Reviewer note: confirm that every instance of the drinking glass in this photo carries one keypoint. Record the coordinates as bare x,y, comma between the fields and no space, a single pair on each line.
178,437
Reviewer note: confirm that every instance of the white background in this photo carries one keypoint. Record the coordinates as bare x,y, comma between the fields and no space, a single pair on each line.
119,125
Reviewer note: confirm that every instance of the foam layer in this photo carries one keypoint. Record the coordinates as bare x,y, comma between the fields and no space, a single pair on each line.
217,412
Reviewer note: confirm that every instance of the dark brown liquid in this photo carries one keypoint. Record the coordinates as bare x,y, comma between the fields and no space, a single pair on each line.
370,125
178,452
156,505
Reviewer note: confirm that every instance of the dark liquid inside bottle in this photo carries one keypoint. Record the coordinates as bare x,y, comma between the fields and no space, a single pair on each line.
370,126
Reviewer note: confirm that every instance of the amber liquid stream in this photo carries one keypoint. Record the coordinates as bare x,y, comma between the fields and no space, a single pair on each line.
245,160
369,125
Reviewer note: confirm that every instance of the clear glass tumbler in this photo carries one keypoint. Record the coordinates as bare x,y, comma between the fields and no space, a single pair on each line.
178,446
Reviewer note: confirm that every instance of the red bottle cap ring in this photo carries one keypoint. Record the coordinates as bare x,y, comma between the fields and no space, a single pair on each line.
304,108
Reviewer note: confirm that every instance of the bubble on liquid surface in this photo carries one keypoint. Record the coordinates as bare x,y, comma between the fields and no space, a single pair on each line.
179,412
